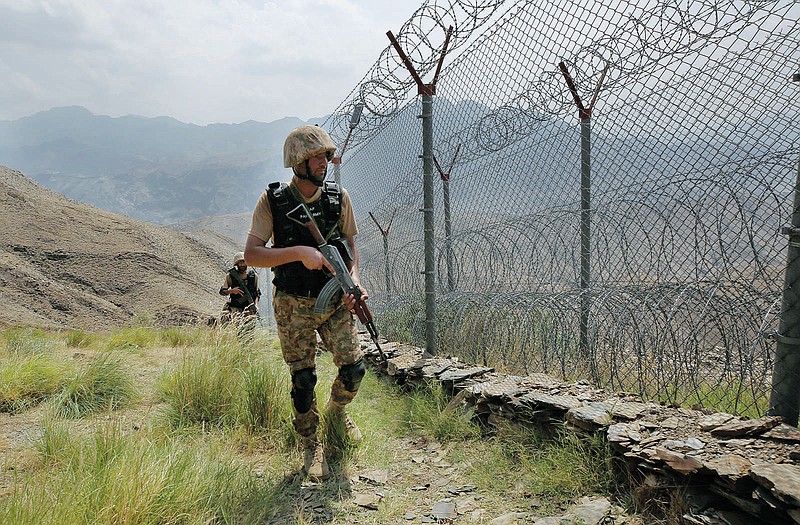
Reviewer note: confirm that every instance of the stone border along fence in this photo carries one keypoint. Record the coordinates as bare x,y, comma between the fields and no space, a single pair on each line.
730,470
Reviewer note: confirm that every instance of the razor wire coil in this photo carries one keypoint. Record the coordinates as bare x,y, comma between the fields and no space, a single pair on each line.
695,141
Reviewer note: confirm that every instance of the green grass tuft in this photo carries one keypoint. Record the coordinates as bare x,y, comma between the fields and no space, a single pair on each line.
525,463
80,338
265,404
103,384
114,476
26,341
203,389
176,337
136,338
26,380
54,444
429,413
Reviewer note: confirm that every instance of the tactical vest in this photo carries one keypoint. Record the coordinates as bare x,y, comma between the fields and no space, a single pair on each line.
294,278
240,301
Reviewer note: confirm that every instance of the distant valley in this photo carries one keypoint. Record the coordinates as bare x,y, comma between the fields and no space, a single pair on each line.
154,169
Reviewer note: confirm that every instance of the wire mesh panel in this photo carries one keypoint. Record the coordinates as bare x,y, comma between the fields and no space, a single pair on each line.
694,148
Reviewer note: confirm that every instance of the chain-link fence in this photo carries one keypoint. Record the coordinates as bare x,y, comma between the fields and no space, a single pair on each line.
679,200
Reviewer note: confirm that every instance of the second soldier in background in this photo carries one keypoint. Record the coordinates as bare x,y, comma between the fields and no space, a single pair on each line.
241,289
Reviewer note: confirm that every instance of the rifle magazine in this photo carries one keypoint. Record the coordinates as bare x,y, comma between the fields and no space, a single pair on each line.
326,295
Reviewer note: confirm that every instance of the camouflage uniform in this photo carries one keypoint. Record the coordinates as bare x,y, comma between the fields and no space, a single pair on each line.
297,324
236,309
297,329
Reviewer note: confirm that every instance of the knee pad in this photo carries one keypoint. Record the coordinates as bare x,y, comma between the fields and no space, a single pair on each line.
303,383
351,375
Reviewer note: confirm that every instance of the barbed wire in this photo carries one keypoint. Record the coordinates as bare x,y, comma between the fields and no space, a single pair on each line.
695,144
386,86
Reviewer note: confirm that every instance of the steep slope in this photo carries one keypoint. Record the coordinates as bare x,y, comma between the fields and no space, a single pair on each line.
233,226
68,264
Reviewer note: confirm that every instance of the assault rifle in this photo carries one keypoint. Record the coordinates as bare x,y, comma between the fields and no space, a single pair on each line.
341,278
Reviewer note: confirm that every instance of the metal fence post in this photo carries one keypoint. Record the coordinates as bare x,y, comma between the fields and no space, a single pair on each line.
385,235
785,394
386,268
586,229
428,217
448,227
355,117
448,232
427,91
336,173
585,114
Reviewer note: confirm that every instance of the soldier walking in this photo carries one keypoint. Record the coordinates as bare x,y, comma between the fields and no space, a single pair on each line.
300,273
241,288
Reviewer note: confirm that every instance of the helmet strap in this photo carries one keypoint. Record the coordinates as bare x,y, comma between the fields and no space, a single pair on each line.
307,176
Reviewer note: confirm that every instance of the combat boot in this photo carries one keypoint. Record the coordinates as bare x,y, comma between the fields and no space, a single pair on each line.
338,416
315,465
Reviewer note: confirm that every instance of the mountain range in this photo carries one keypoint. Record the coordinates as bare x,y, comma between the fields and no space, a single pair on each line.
159,169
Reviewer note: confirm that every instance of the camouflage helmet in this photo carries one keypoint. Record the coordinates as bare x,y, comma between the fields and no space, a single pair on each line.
238,258
305,142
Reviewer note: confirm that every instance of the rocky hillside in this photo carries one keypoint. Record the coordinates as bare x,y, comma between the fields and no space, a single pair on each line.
68,264
233,226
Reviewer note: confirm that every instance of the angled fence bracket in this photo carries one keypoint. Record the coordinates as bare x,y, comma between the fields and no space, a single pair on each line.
585,114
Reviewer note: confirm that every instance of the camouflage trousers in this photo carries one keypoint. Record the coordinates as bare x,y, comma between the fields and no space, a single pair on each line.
298,327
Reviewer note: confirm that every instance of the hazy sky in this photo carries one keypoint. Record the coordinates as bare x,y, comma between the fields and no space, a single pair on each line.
199,61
